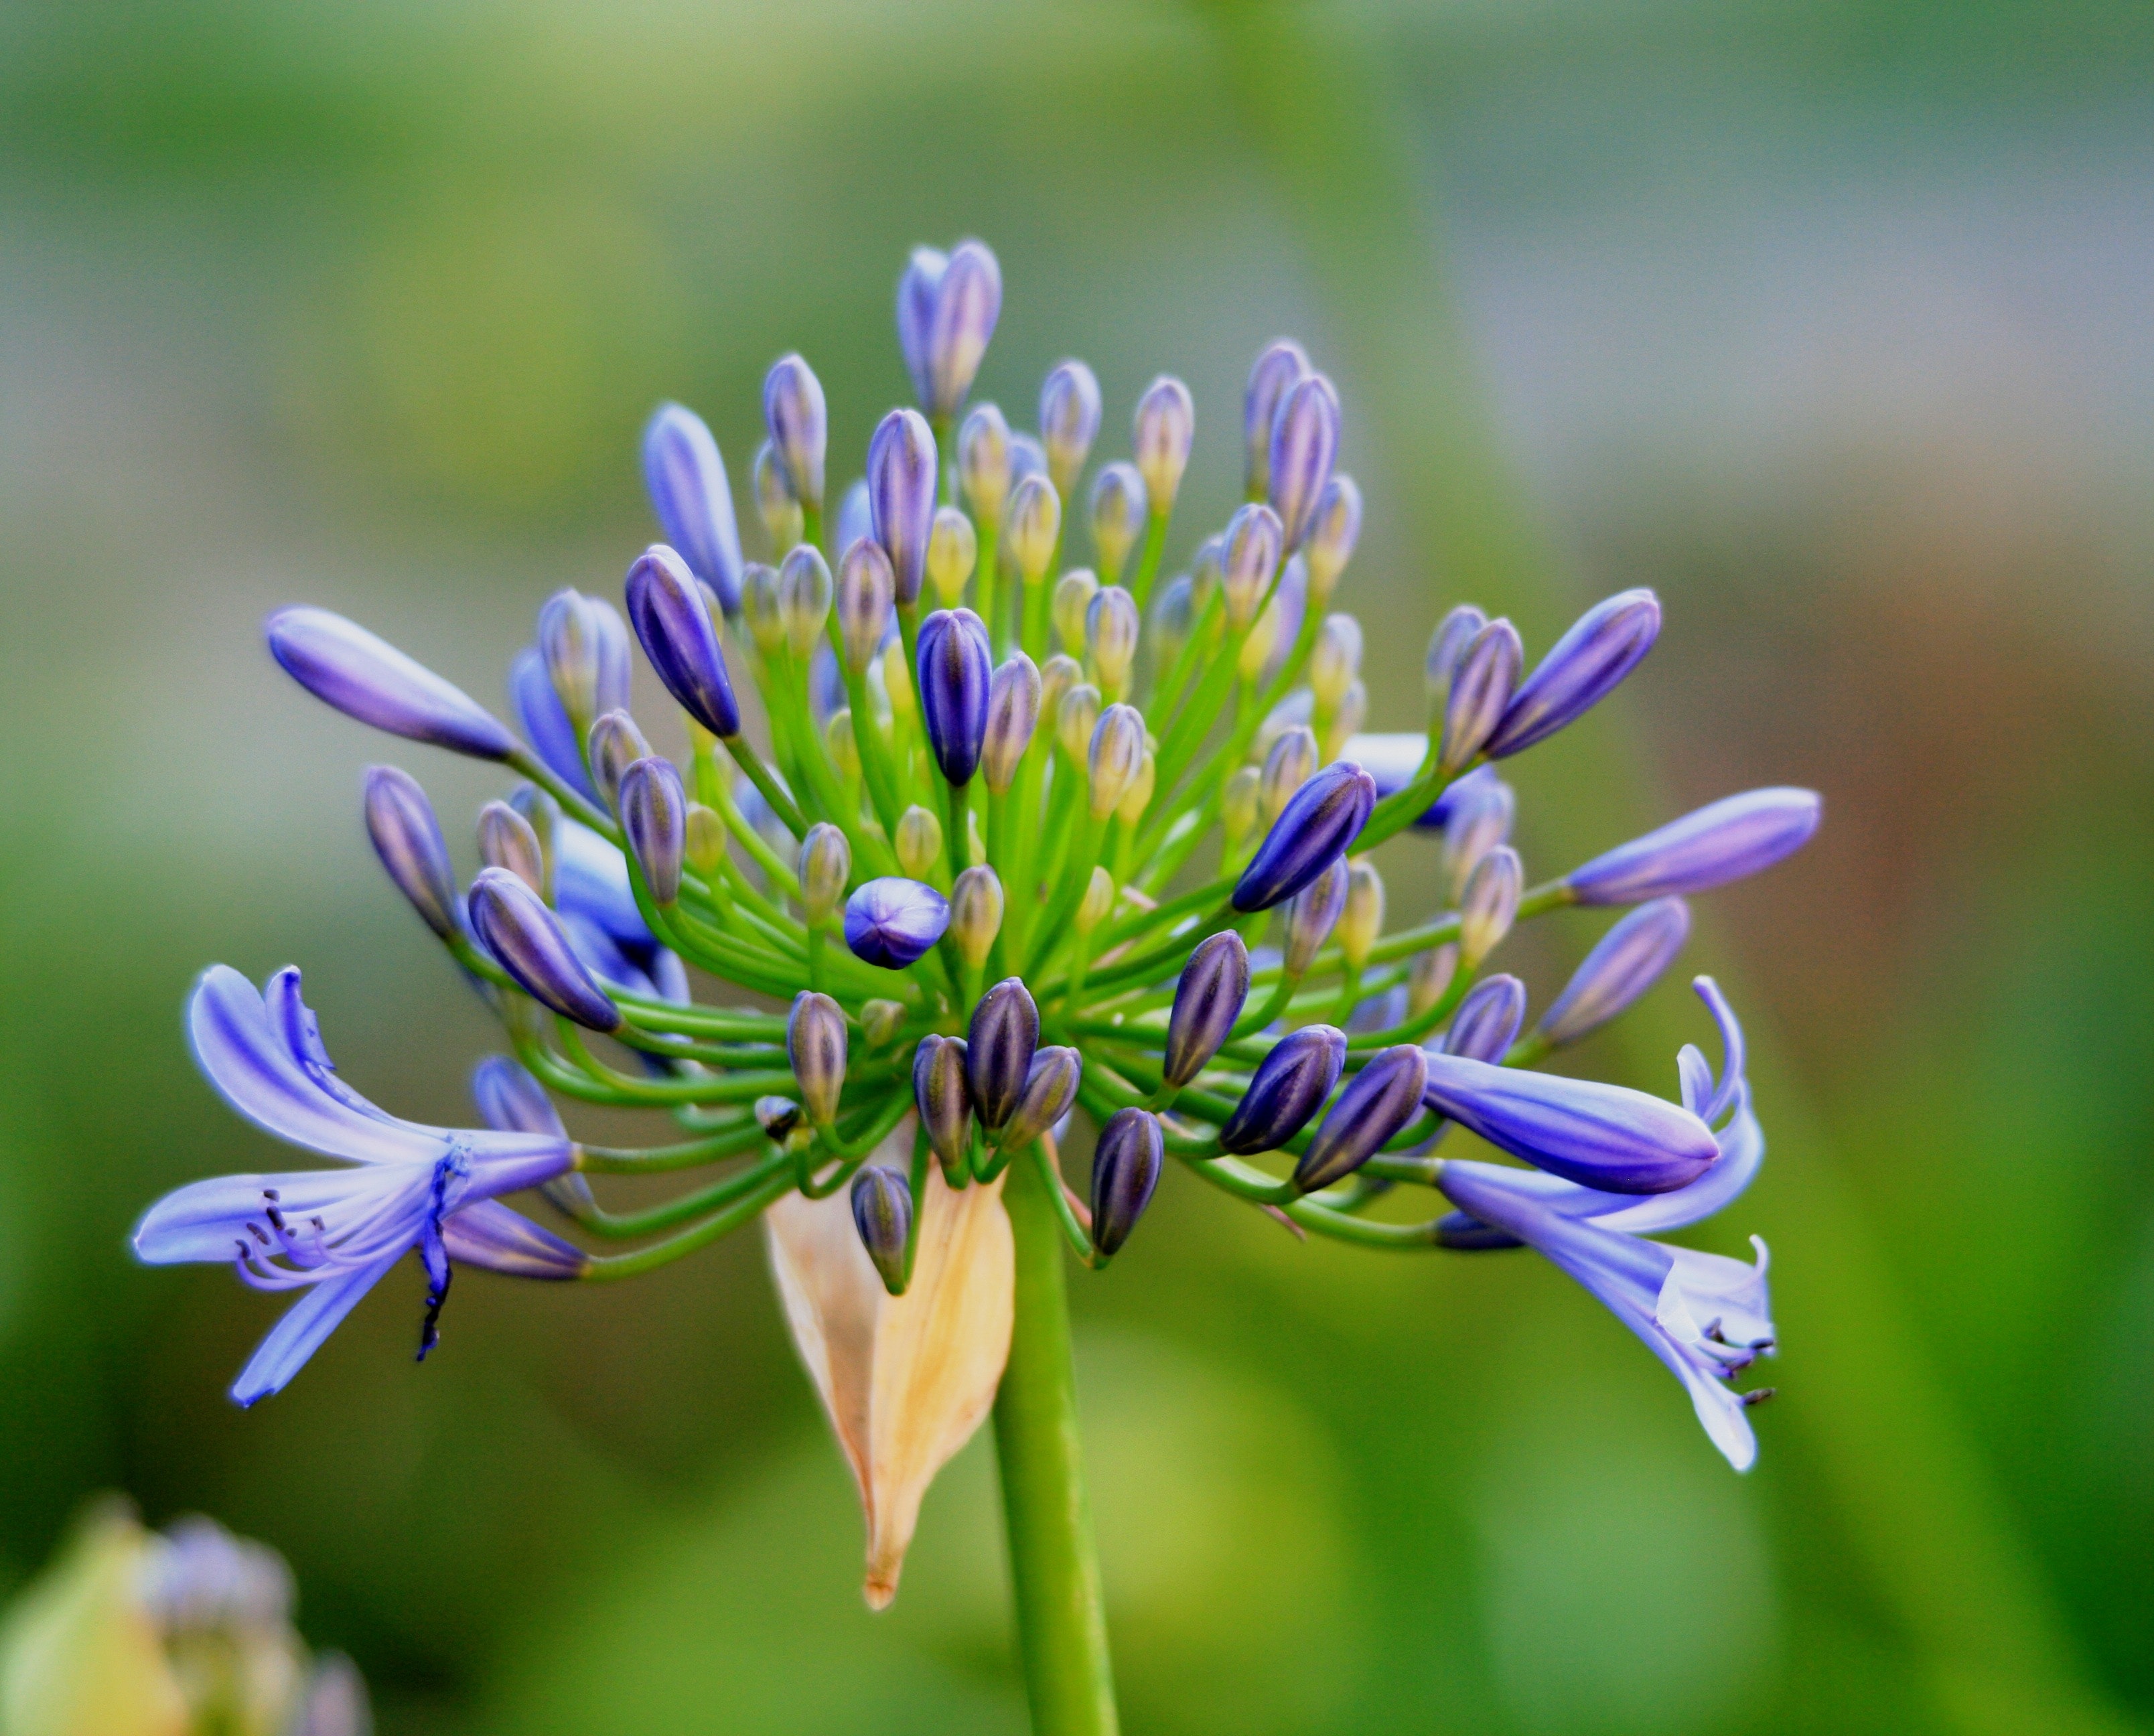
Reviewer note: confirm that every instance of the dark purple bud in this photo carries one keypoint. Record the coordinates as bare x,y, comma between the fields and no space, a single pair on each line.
882,1213
1324,817
1599,1135
544,722
956,669
1487,1022
1004,1036
901,496
891,921
1165,425
1379,1100
1289,1085
528,940
506,840
943,1093
1480,688
408,839
1069,421
815,1045
1207,1000
654,818
866,591
1628,961
1012,714
1727,840
799,427
968,299
665,607
615,744
695,505
343,665
1304,442
1050,1089
1126,1166
1277,372
1581,669
586,647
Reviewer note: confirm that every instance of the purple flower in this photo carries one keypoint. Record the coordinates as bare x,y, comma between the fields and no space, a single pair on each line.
1207,999
891,921
799,427
695,506
1480,689
342,664
943,1093
901,496
1289,1085
1725,840
666,607
1487,1022
654,817
408,839
1126,1166
1281,366
530,941
1379,1100
585,648
1581,669
1001,1042
946,309
956,669
1627,961
1323,818
334,1234
1304,442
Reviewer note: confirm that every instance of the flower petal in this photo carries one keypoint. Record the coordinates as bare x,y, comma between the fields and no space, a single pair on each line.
493,1235
203,1220
299,1334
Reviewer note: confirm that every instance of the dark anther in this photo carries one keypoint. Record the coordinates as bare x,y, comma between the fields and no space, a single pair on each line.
1759,1397
430,1329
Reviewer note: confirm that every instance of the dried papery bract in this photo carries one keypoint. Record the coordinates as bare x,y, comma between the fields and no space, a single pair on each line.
906,1379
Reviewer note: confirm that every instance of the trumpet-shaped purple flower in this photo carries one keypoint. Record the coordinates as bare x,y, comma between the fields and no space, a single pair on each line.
893,922
695,506
333,1234
342,664
1728,840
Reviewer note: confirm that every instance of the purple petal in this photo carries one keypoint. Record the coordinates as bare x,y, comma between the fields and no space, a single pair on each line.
299,1334
492,1235
342,664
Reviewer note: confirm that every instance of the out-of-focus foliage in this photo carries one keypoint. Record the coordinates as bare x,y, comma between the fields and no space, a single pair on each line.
1826,320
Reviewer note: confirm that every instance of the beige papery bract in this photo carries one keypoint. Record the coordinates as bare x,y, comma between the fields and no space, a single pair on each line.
906,1379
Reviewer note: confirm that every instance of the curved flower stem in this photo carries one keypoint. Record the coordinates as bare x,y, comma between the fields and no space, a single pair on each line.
1055,1572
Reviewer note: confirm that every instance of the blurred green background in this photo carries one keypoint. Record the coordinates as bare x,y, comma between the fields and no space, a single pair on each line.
1829,320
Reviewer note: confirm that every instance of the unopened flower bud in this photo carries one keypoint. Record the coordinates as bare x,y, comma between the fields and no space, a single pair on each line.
1599,1135
686,479
1137,797
400,822
1206,568
844,745
1240,806
615,743
1057,674
1323,818
1304,442
1724,841
953,550
528,942
882,1213
880,1021
1098,900
1628,961
1311,915
897,680
783,520
1119,507
1067,605
1278,370
1487,1022
1173,619
1446,644
1114,756
1351,712
804,598
1332,537
666,608
1290,764
865,590
1335,660
541,813
1026,457
815,1046
1165,426
1381,1099
901,496
1479,820
947,312
943,1093
1602,646
1110,636
1429,978
1249,559
654,819
1207,999
826,865
586,647
1363,918
983,462
707,839
1126,1166
1264,640
976,913
918,842
1068,419
1014,696
891,921
956,668
759,609
1050,1089
781,1120
1289,1085
1032,523
1480,689
1489,904
800,428
855,515
1002,1038
367,678
1074,720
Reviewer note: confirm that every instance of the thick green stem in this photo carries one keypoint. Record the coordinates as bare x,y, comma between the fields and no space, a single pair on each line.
1062,1626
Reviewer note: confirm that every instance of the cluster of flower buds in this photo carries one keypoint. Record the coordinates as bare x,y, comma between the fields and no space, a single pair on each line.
1003,839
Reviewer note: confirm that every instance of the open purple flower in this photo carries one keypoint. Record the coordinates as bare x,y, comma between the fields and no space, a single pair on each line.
334,1234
